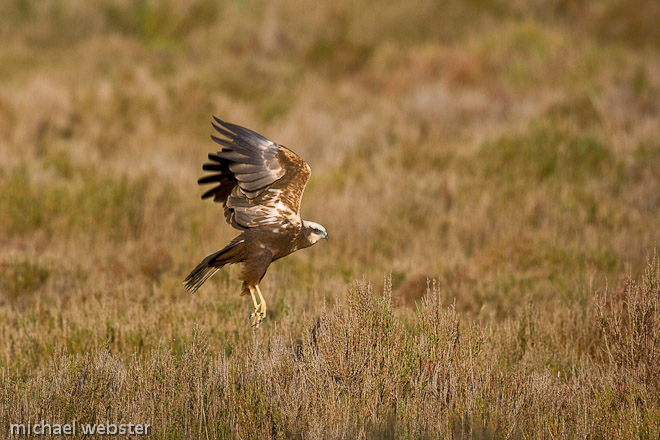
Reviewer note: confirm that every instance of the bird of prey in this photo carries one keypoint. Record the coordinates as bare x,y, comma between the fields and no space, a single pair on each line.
260,185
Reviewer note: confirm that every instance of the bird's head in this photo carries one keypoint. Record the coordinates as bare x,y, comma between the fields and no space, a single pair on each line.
314,231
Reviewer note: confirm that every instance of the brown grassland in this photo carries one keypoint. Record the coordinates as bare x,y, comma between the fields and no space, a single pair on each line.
488,172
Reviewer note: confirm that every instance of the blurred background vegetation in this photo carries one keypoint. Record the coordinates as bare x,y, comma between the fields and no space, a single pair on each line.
508,150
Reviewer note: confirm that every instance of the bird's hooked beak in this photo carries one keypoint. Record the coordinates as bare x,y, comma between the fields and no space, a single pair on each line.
325,236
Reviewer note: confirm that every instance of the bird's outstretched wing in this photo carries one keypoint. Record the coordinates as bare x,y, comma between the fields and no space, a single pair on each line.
258,181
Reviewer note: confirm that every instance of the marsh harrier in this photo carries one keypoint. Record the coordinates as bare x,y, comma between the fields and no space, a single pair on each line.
260,185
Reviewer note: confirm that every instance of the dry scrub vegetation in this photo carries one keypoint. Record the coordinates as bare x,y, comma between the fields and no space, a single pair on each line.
496,162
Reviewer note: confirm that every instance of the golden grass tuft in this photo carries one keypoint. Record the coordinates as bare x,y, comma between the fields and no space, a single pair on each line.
362,368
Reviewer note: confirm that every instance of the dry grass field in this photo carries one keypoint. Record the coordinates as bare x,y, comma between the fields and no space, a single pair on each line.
488,172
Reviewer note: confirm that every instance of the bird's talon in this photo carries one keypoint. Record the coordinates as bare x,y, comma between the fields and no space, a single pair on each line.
256,320
259,313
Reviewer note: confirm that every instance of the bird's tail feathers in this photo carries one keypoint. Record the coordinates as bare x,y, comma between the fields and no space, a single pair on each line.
210,265
198,276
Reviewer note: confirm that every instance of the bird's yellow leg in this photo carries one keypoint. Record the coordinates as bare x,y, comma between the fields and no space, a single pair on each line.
254,300
262,303
256,315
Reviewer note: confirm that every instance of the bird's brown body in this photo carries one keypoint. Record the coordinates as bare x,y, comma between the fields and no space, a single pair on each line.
260,185
256,249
